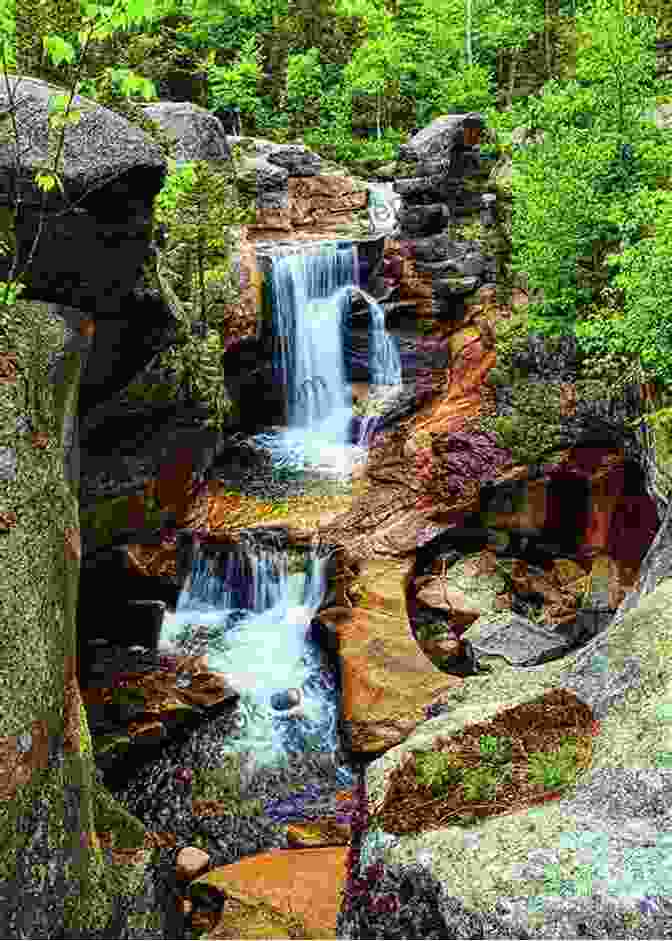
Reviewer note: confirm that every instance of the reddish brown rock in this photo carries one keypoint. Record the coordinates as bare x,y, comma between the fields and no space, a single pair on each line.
387,681
435,593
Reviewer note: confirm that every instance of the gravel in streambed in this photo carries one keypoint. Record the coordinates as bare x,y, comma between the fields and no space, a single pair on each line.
304,789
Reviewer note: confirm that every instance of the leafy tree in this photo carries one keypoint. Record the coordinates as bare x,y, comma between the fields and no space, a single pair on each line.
200,207
375,67
304,86
564,191
238,84
616,56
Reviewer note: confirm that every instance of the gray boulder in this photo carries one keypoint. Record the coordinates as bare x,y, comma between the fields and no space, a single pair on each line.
198,134
439,139
258,174
423,220
295,158
466,264
415,189
97,235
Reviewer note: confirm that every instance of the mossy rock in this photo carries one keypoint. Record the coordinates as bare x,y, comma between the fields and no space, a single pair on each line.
111,817
388,171
109,517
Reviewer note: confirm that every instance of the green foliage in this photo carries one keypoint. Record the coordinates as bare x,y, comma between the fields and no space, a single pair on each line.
616,55
304,83
496,749
223,784
533,430
441,770
108,517
557,769
438,771
467,90
237,84
644,274
200,206
511,337
480,784
557,213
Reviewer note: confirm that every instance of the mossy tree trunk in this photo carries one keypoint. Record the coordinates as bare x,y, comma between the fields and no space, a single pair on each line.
55,881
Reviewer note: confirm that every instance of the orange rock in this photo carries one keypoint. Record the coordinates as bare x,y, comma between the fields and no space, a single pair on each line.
204,921
387,681
191,863
8,367
305,882
207,689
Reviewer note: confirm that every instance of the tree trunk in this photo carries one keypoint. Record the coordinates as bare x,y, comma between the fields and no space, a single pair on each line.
55,881
512,77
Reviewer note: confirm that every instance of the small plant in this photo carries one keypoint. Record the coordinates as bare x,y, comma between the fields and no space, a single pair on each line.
496,749
557,769
437,770
479,784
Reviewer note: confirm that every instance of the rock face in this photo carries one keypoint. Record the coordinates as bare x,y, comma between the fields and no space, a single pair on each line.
441,182
150,449
89,259
198,134
471,893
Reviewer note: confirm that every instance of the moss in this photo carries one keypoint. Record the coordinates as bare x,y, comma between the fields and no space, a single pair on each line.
109,517
111,817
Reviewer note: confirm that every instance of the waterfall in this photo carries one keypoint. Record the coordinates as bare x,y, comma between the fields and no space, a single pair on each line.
264,648
312,293
310,298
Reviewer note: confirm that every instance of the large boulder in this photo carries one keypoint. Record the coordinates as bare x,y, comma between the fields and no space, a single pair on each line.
295,158
440,138
257,173
198,134
97,233
574,866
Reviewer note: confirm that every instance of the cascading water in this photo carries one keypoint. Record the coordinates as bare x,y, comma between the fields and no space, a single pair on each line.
262,649
312,295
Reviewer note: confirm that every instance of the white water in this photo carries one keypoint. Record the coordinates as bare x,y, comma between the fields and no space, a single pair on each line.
252,615
312,294
265,652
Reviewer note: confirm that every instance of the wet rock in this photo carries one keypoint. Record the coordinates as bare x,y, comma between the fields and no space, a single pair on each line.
286,700
318,833
435,593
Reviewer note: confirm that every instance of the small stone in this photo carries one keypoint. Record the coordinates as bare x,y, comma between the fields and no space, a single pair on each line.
183,680
191,863
7,464
286,700
23,424
24,742
185,906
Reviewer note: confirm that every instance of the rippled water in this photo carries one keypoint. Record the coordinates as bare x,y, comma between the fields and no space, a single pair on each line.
262,652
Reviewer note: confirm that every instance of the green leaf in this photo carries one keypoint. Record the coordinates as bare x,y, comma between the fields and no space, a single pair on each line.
58,49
